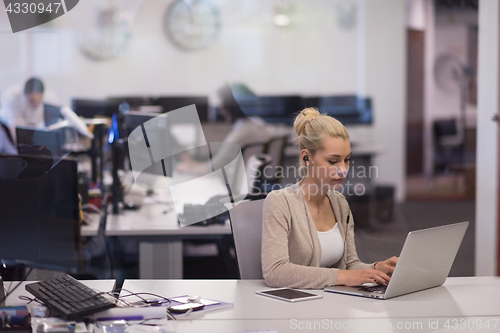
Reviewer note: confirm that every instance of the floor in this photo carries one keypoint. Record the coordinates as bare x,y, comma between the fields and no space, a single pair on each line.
387,239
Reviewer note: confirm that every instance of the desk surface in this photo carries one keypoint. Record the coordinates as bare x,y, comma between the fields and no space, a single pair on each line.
158,215
156,220
458,297
467,298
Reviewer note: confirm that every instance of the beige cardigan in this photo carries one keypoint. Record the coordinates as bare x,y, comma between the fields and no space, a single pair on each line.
291,251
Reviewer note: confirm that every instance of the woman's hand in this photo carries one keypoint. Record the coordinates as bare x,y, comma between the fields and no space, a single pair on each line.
387,266
359,276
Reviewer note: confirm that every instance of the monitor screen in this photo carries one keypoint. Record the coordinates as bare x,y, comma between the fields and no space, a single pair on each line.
89,108
348,109
52,114
179,134
177,102
30,139
166,103
273,109
40,213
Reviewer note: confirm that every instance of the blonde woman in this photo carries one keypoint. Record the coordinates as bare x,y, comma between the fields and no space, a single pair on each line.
308,228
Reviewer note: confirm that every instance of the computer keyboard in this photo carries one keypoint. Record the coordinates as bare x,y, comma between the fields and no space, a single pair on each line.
68,297
379,289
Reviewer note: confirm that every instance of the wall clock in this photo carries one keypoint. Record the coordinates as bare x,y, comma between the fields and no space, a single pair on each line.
109,36
192,24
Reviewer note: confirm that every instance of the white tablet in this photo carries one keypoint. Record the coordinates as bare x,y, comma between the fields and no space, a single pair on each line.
289,295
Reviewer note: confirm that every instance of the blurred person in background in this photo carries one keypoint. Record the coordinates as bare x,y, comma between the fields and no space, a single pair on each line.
245,130
23,106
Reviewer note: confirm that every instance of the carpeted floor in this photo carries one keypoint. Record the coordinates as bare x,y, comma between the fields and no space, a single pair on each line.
386,240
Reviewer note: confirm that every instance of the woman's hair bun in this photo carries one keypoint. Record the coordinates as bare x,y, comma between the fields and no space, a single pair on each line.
303,118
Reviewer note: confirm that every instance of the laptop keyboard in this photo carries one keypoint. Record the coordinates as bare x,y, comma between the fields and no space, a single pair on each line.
375,289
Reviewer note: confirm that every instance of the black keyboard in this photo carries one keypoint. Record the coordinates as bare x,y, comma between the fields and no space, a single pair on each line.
68,297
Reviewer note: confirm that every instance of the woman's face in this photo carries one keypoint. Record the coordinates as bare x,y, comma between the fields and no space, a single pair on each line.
328,167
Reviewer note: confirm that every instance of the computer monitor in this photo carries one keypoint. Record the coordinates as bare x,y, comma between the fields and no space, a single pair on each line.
40,214
273,109
348,109
177,102
52,114
167,103
29,138
89,108
134,119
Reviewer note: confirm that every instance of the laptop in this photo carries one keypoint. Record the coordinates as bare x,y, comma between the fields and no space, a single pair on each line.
424,263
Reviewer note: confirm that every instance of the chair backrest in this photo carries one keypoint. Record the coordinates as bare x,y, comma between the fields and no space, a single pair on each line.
254,169
276,149
246,222
448,132
252,149
247,176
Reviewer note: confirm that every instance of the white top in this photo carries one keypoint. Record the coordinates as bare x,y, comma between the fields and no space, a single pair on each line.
15,110
332,246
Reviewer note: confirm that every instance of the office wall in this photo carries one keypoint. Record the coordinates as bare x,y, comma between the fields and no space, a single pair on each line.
487,140
314,55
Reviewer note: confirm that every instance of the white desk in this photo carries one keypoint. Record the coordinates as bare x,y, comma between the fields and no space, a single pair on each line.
155,226
470,300
476,298
154,220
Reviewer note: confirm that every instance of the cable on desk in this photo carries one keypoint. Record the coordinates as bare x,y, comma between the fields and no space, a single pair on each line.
17,286
142,298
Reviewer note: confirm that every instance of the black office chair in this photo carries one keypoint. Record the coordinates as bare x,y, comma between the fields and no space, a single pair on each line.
275,148
448,143
254,148
449,148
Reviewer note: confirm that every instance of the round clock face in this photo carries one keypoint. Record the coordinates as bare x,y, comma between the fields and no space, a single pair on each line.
192,24
109,36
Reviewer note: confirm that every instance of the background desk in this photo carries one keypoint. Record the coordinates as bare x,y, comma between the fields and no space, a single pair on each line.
160,238
155,226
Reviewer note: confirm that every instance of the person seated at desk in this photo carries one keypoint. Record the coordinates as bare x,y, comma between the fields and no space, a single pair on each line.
245,130
25,107
308,228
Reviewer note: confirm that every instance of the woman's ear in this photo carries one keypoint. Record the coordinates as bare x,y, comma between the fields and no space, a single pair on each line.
305,156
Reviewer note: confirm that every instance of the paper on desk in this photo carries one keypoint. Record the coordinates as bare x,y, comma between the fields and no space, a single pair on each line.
203,301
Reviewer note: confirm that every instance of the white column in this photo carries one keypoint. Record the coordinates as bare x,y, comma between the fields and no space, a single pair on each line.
487,140
385,81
